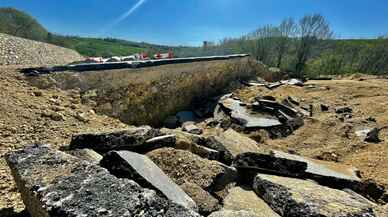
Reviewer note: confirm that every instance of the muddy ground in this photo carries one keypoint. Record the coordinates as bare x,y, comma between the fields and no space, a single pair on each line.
30,115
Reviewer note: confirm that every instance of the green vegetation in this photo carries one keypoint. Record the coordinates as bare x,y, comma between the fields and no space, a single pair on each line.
20,24
14,22
307,48
301,48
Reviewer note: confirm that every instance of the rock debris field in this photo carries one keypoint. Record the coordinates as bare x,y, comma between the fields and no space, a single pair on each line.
265,150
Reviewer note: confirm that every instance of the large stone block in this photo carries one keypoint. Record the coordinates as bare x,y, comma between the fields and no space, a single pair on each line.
133,139
205,201
251,163
296,197
140,168
55,184
245,199
235,143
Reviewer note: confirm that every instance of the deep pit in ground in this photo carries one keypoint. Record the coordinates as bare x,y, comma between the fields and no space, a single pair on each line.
149,95
181,156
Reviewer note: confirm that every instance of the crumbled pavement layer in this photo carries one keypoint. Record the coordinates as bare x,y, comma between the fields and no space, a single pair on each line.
296,197
133,139
244,198
137,167
53,183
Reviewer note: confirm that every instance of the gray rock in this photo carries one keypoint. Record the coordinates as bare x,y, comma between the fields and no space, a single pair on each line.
224,155
296,197
140,168
133,139
248,164
324,108
205,201
373,136
369,135
231,213
87,155
323,169
247,119
233,143
343,109
293,81
243,198
191,128
56,184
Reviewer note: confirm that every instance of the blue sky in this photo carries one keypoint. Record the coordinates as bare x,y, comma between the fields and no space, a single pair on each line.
189,22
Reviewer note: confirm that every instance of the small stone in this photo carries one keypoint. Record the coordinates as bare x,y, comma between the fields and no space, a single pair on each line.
38,93
53,115
324,108
343,109
81,117
369,135
191,128
373,136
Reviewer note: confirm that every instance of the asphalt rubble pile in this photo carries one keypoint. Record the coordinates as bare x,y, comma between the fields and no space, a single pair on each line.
144,171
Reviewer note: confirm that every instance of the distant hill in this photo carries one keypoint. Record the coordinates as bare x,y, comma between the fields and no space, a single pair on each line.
17,23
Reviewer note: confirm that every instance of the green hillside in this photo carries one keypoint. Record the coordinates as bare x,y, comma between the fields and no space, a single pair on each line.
20,24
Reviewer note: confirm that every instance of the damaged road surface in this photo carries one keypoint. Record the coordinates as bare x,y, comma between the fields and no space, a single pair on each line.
295,197
55,184
140,168
278,119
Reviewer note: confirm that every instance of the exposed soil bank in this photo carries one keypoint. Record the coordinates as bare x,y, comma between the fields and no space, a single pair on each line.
149,95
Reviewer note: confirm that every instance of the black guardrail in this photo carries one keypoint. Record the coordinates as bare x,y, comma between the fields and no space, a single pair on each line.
122,65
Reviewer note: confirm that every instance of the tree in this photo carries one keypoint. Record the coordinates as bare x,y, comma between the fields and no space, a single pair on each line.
311,30
284,34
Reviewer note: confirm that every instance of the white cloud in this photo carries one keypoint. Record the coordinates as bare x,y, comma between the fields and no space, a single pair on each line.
124,16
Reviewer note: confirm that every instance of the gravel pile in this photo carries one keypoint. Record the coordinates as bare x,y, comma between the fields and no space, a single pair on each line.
19,51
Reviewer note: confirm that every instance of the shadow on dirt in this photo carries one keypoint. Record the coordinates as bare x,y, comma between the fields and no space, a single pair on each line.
10,212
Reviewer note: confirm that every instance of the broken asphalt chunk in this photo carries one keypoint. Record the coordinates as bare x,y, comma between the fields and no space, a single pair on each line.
343,109
248,164
325,169
134,139
246,118
296,197
56,184
137,167
244,198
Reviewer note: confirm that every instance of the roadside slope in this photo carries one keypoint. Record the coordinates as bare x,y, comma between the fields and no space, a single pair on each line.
30,115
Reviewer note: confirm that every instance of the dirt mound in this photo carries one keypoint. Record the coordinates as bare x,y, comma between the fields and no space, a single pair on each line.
19,51
30,115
